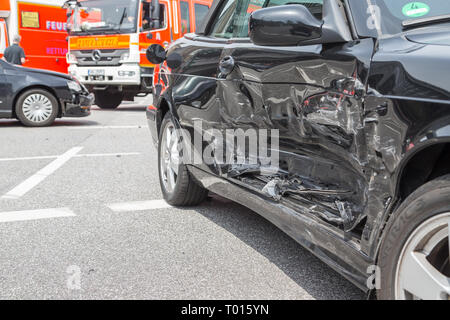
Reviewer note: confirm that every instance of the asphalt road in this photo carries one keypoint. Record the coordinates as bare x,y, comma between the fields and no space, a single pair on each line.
71,225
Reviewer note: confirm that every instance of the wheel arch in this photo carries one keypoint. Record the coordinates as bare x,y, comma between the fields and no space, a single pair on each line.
437,152
163,109
38,86
434,154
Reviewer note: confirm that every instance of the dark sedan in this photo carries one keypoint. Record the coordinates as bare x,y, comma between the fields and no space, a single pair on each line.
349,102
37,97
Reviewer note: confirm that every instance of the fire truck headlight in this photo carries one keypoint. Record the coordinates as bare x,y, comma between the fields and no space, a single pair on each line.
74,86
126,73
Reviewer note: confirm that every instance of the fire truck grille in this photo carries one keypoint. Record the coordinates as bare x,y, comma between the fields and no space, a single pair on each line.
99,57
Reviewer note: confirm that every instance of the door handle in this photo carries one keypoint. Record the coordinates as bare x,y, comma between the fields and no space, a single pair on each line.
226,66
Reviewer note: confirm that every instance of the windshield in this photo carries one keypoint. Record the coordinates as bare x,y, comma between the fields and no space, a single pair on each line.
100,16
374,18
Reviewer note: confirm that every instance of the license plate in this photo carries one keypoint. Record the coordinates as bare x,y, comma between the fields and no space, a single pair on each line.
96,72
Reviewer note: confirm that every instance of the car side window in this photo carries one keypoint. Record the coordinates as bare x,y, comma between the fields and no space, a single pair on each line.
232,20
223,26
314,6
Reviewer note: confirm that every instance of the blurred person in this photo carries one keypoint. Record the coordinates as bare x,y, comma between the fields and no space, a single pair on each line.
15,53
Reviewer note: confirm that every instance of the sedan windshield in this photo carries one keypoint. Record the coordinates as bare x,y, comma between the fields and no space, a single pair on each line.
96,16
374,18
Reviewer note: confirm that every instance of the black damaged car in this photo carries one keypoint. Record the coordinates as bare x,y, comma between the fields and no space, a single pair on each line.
37,97
357,94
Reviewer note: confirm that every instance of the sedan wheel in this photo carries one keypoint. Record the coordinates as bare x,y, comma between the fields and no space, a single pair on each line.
179,188
414,254
170,157
37,108
423,267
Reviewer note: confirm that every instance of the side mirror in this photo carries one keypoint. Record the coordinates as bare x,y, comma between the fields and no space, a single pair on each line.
293,25
156,54
287,25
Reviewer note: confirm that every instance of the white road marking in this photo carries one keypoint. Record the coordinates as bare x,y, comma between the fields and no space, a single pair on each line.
13,216
41,175
139,206
28,158
123,154
99,155
107,127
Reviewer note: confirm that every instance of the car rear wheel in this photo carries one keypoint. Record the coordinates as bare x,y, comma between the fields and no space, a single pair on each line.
37,108
414,256
108,100
178,186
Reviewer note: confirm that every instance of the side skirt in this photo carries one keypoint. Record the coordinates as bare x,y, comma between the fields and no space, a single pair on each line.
325,244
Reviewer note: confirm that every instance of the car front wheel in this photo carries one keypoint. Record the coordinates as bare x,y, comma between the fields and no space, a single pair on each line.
414,255
178,186
37,108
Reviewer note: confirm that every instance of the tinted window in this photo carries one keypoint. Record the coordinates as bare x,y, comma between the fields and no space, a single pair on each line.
185,17
315,6
200,13
384,17
223,26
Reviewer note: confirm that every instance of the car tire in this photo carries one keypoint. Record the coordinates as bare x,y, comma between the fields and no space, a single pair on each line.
183,190
36,108
409,246
108,100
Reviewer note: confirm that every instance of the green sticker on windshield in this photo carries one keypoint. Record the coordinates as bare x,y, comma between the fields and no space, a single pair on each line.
416,9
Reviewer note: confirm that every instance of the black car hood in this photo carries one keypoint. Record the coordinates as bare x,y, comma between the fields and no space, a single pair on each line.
45,72
437,35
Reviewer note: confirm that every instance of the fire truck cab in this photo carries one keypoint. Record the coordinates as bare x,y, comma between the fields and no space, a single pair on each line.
42,26
108,40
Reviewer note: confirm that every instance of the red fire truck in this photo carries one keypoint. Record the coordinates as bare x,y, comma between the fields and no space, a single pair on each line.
108,41
42,25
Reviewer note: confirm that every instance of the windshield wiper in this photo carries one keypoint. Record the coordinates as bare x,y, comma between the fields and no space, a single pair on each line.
124,14
413,23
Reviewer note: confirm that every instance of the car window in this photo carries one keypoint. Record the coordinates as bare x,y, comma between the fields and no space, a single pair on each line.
314,6
223,25
200,13
233,17
374,18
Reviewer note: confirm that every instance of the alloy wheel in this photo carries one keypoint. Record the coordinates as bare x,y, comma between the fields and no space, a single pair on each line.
37,108
170,157
423,269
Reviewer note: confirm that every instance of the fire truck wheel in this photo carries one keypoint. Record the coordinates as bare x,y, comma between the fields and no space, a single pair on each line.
108,100
37,108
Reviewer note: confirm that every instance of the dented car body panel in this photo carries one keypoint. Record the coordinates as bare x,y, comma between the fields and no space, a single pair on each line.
350,118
